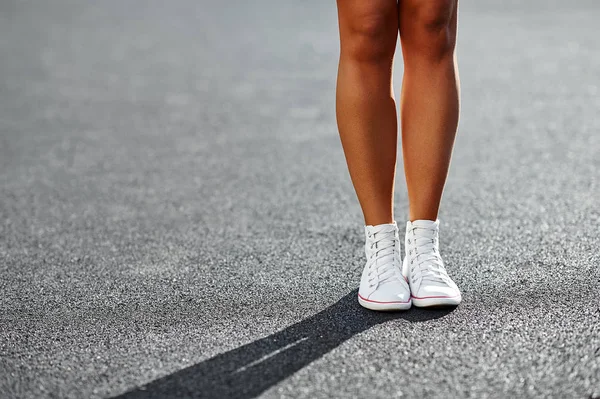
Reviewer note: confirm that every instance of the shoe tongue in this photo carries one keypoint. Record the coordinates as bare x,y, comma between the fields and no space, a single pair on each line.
386,227
428,224
372,226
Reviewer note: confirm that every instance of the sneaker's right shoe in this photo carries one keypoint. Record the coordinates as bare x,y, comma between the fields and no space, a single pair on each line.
429,282
382,286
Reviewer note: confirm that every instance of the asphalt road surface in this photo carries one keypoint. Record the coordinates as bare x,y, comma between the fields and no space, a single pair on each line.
176,217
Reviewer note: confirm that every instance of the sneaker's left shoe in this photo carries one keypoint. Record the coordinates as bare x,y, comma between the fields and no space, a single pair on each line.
429,282
382,286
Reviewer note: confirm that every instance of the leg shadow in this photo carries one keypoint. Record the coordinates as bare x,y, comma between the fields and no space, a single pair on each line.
249,370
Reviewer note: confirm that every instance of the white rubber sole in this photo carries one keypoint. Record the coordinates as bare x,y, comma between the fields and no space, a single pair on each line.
436,301
384,306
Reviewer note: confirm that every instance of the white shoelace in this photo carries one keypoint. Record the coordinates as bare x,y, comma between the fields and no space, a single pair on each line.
423,250
385,248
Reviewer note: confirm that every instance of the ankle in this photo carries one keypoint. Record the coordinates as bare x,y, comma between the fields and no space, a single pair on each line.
375,221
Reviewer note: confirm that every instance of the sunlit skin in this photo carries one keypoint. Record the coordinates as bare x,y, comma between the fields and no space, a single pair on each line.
366,108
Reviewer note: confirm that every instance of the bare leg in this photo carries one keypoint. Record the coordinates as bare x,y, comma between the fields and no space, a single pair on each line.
430,100
365,106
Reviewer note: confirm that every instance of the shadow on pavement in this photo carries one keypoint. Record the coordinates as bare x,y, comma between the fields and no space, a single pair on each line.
249,370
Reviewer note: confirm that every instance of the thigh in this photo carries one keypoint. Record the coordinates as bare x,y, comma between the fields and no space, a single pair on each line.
427,14
425,24
367,20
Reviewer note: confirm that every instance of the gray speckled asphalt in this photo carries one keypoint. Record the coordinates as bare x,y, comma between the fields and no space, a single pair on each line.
176,218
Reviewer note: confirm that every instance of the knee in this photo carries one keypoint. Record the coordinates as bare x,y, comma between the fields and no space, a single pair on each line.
370,38
428,28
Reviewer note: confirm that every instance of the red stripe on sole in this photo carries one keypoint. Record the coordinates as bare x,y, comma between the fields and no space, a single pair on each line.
370,300
434,297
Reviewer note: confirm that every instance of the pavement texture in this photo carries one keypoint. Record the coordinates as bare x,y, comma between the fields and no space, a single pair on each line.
177,220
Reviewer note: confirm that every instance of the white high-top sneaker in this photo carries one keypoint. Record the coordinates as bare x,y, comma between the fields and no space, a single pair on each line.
429,282
382,286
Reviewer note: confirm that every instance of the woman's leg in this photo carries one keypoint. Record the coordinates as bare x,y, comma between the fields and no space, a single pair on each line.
430,100
429,113
366,116
365,107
